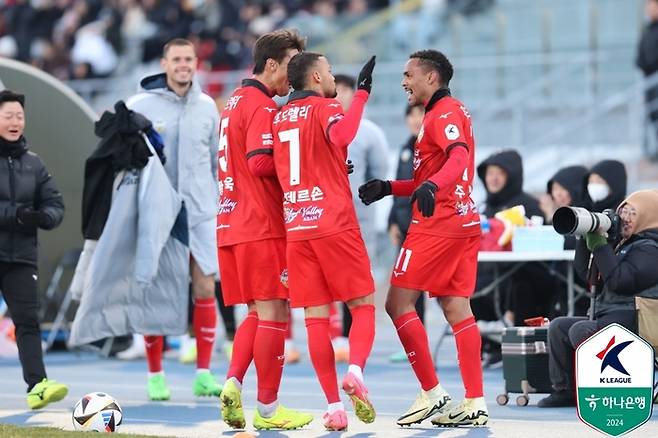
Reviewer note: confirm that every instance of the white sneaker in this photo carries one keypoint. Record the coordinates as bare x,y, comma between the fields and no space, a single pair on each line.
136,351
425,407
470,412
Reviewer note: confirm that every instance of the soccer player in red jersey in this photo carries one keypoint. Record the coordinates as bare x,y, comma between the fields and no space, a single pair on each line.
327,259
251,235
439,254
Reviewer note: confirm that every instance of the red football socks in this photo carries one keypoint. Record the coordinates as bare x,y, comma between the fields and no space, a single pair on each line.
414,340
154,345
362,334
269,354
243,347
289,326
469,343
322,356
204,323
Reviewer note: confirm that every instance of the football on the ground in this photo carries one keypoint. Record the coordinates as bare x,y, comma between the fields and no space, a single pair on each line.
98,412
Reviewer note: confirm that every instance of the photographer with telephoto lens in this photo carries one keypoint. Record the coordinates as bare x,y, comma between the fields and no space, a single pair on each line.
625,269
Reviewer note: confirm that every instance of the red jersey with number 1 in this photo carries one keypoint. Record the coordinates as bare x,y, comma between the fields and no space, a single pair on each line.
311,170
447,124
249,206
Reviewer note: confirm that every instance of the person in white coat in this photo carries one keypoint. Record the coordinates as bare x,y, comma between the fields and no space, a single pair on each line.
187,120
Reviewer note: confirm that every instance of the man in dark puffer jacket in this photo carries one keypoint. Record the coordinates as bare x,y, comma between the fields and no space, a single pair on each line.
28,200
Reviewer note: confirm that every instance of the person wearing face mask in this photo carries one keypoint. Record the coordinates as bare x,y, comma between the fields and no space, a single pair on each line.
626,270
29,200
605,185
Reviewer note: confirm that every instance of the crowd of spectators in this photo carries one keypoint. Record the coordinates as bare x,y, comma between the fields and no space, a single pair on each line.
80,39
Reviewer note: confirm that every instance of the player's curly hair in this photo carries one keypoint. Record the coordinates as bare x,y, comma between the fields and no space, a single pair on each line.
437,61
274,45
298,68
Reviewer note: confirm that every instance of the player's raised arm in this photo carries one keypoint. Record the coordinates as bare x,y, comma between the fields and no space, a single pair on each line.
342,131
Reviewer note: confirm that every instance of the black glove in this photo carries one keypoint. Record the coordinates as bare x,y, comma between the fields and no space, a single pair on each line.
374,190
364,82
424,194
350,167
28,217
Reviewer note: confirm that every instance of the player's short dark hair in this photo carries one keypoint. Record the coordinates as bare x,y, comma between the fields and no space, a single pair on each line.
347,80
11,96
298,68
175,42
437,61
275,45
410,108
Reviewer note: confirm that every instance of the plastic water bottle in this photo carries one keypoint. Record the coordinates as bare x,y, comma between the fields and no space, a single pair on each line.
484,224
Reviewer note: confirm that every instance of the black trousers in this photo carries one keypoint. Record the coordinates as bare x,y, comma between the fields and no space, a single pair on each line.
18,283
566,333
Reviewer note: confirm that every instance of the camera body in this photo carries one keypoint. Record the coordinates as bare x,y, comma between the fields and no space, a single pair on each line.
578,221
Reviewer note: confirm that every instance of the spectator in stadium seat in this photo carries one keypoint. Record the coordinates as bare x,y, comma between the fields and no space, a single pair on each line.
647,61
627,270
29,200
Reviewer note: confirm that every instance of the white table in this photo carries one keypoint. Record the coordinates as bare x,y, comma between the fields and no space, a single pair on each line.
520,258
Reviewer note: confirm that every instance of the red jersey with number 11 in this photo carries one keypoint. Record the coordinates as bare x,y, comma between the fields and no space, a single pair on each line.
446,125
311,170
249,206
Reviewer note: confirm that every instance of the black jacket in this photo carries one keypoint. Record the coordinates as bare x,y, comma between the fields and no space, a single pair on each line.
571,178
647,51
401,209
624,272
121,147
25,182
614,173
512,194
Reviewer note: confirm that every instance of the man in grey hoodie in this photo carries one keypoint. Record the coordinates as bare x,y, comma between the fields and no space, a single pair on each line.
187,120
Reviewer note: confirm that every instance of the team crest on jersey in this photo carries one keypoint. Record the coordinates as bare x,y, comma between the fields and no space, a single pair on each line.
284,278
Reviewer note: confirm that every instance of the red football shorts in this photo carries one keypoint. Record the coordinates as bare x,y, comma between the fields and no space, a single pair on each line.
328,269
253,271
442,266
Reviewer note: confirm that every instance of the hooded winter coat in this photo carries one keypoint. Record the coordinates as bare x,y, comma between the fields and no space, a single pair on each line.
571,178
512,194
189,127
629,269
614,174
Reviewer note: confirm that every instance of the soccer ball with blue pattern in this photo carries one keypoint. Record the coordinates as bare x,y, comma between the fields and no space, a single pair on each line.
98,412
